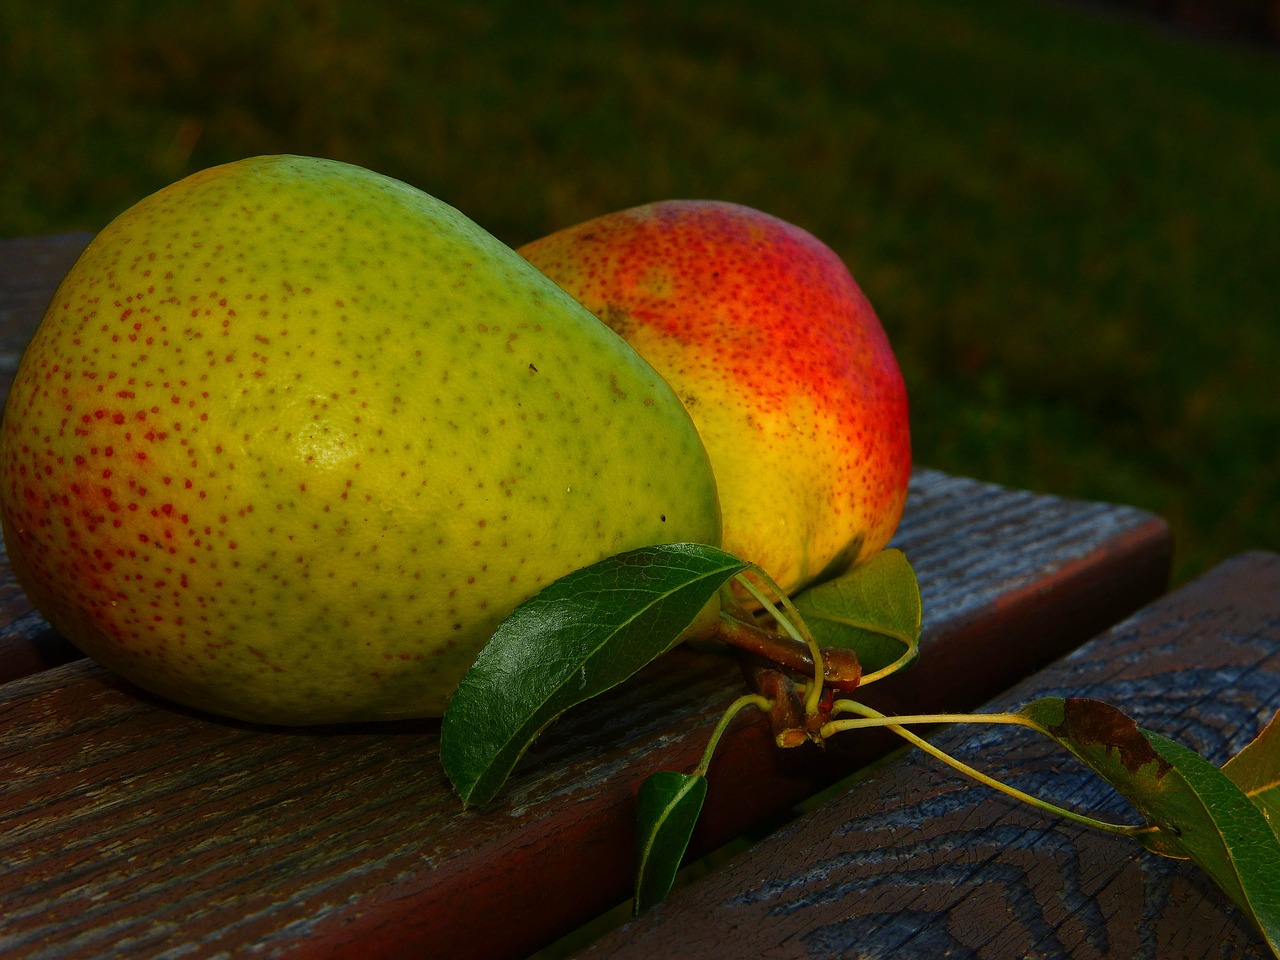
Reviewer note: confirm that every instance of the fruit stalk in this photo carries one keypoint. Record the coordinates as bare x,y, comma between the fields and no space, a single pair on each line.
872,717
840,668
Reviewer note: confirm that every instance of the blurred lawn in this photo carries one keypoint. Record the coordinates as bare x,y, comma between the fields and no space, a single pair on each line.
1069,224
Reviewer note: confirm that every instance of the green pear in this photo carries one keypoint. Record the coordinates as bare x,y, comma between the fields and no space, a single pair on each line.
780,359
294,437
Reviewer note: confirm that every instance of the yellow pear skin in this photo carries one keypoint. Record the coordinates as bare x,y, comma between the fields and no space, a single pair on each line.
780,359
294,437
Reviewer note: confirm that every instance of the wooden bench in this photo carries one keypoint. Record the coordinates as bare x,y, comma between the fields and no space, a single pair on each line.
916,862
131,827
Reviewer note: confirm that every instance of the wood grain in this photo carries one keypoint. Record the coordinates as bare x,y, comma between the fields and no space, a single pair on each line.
132,827
917,862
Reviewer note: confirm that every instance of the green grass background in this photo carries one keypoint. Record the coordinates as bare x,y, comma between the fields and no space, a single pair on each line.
1068,221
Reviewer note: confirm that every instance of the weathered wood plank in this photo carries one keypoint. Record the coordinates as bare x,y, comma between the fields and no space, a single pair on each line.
137,827
917,862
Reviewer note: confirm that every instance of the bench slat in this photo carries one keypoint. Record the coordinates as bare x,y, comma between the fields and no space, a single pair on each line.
134,826
918,862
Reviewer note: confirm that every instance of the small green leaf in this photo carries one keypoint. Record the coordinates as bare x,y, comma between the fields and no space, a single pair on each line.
873,609
1256,771
1196,810
581,635
667,810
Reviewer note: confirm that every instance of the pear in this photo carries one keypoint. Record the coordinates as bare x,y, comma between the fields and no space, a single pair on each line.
778,357
294,437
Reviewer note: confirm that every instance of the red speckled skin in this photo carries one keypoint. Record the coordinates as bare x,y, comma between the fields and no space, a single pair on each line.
780,360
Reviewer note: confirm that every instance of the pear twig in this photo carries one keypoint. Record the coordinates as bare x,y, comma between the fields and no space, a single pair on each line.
840,668
872,717
786,716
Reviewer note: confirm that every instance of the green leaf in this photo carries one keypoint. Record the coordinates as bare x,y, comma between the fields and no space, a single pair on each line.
578,637
1256,771
667,810
873,609
1196,811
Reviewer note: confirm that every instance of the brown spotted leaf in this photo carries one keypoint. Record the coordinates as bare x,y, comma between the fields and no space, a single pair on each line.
1194,810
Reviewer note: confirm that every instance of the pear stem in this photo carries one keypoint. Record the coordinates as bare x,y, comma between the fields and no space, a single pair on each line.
744,701
794,626
840,668
892,668
872,717
918,718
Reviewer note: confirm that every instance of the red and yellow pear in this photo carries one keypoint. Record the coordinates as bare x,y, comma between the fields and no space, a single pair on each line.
780,360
